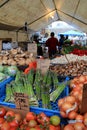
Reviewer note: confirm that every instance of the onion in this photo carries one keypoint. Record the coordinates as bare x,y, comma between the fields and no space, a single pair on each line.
79,118
80,97
66,105
75,93
75,80
72,115
85,82
72,84
85,115
77,88
76,109
69,127
70,99
80,85
85,121
82,79
86,77
79,126
60,102
63,114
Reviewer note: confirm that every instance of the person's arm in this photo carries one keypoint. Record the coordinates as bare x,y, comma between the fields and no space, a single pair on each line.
57,42
47,43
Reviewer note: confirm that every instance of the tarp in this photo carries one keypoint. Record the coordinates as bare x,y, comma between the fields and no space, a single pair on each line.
72,33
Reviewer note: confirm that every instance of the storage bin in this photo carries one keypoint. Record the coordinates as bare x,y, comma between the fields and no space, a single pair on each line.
3,85
49,112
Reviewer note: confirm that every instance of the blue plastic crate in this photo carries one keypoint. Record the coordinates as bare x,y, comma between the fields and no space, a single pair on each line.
63,78
3,85
49,112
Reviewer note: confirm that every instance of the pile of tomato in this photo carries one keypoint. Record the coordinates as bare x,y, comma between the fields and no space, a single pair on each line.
9,120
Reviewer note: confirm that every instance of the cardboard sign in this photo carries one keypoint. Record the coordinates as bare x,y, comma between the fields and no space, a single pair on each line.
32,48
21,101
84,100
43,65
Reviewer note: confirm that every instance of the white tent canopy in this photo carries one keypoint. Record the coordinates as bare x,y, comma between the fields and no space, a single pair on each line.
40,13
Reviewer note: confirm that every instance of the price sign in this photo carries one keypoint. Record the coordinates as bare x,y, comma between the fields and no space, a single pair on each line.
32,48
21,101
43,65
84,99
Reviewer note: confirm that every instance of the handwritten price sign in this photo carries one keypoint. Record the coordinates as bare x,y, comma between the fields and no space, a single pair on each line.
21,101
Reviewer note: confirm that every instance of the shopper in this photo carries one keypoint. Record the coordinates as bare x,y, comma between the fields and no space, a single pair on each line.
39,47
61,43
52,44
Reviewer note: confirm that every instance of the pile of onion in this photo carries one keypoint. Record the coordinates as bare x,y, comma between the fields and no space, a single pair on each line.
77,87
68,107
80,123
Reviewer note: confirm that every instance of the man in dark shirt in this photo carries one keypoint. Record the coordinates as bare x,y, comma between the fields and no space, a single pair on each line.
52,44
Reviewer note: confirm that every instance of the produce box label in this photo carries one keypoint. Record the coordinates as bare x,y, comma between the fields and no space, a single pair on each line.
32,48
43,65
84,100
21,101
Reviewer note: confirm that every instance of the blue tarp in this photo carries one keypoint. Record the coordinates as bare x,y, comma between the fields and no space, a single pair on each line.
72,33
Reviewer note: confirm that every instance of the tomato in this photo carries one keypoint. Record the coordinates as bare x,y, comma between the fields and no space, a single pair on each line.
32,123
5,126
13,123
55,120
58,127
13,128
23,127
27,128
2,120
2,111
37,127
25,122
30,116
51,127
42,118
10,113
18,117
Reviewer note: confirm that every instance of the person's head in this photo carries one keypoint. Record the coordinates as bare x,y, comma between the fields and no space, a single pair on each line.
61,36
52,34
